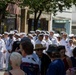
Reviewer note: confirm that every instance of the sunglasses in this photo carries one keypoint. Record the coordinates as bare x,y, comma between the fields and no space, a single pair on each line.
39,49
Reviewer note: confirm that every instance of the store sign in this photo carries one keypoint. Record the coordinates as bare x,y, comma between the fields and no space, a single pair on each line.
60,21
10,21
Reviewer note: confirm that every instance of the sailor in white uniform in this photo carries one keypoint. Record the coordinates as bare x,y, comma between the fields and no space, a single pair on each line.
30,36
70,48
2,51
37,33
65,42
48,41
40,40
9,46
22,34
10,41
53,38
6,38
17,36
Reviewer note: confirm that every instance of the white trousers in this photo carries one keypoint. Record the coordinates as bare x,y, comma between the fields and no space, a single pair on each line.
1,60
7,54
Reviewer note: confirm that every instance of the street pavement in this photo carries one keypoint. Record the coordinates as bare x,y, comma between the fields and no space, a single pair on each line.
1,72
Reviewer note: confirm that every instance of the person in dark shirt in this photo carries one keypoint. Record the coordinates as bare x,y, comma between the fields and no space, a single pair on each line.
65,59
45,60
56,67
73,59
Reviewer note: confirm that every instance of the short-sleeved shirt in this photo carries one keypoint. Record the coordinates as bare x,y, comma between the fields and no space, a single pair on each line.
29,65
56,67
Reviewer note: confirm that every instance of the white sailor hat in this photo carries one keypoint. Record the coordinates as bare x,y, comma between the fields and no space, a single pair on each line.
41,34
30,35
52,31
17,34
22,33
6,33
38,30
71,35
11,32
16,31
32,32
46,34
64,33
57,35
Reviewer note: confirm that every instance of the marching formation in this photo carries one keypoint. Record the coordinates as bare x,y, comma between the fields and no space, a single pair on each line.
38,53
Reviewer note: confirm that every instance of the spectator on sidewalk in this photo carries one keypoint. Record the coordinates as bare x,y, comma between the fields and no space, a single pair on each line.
45,60
73,59
56,67
15,48
72,71
66,59
29,63
15,61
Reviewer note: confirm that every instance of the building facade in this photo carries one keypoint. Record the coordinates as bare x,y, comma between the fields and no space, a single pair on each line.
63,21
73,20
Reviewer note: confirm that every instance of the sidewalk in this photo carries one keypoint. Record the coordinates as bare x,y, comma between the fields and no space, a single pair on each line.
1,73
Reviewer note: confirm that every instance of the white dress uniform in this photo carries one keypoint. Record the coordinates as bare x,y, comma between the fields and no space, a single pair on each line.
6,55
70,49
33,42
35,38
2,49
48,42
10,43
66,44
8,47
54,40
43,42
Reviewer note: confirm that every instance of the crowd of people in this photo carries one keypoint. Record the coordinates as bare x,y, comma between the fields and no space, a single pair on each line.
38,53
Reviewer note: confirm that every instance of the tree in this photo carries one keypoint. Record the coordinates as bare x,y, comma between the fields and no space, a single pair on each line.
38,6
3,6
6,8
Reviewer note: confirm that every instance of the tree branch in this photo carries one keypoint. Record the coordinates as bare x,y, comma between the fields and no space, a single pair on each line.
40,12
35,14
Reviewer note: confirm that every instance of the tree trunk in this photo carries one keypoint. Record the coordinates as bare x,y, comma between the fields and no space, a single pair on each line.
35,24
2,12
36,18
0,18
